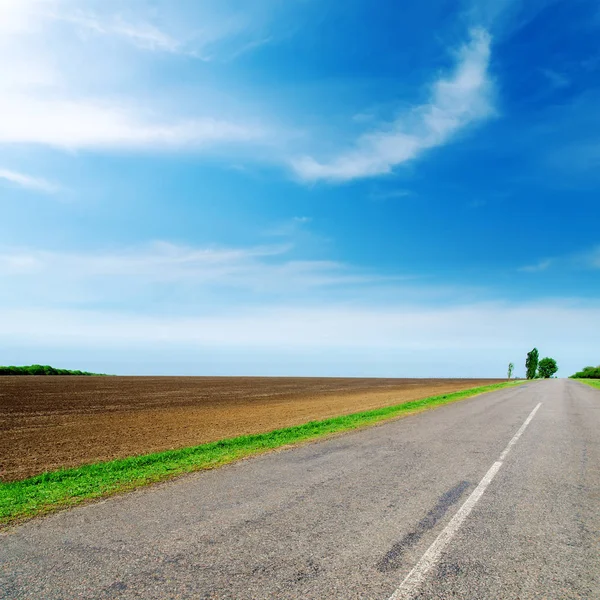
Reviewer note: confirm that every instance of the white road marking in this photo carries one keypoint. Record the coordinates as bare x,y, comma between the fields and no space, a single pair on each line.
414,579
519,433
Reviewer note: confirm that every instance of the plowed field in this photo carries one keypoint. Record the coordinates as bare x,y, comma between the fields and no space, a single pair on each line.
52,422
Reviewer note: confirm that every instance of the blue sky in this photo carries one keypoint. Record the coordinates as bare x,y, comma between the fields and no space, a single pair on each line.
299,188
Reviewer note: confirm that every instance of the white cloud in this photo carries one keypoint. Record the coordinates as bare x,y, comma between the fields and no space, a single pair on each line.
47,97
28,182
92,124
457,101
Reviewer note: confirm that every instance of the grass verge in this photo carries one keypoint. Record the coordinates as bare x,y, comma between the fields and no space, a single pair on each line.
21,500
595,383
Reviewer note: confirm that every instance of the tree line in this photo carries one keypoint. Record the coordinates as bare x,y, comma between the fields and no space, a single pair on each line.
588,373
41,370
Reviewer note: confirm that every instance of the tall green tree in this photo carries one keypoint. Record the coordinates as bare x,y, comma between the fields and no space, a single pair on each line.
531,363
547,367
511,368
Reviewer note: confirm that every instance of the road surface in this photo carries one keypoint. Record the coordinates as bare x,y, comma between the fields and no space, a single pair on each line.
494,497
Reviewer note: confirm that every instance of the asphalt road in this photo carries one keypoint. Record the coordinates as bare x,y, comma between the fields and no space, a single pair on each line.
486,498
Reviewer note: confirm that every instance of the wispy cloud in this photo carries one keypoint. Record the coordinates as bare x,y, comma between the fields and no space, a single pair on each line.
28,182
583,259
289,228
542,265
158,261
591,259
557,80
210,30
143,35
390,194
456,101
258,269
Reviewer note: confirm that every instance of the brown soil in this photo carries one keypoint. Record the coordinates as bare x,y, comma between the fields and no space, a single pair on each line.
52,422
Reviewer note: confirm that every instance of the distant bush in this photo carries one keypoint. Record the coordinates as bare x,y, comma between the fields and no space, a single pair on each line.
41,370
588,373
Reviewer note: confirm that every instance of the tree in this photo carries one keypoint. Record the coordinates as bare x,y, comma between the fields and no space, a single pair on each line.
511,368
547,367
531,364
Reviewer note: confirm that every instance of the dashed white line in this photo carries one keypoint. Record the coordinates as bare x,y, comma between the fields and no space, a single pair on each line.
414,579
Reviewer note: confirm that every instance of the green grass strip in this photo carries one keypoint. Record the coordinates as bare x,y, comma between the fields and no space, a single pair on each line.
20,500
595,383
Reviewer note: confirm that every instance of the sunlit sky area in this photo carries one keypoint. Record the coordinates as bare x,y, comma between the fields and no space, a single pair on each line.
308,187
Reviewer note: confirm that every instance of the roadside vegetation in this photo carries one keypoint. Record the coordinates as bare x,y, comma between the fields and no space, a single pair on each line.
531,363
539,369
595,383
511,370
588,373
547,367
42,370
20,500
